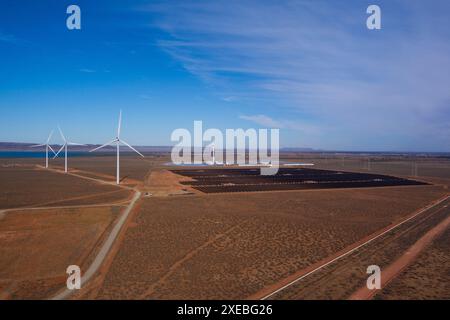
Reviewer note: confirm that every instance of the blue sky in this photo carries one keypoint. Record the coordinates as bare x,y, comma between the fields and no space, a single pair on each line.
310,68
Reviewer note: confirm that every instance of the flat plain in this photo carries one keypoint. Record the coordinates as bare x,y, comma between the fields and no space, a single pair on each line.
29,186
231,246
37,246
181,243
427,278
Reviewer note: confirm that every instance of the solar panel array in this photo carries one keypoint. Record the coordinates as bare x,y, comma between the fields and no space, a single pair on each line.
250,179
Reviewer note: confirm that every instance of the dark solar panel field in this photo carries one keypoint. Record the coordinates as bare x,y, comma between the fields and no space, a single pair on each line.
246,180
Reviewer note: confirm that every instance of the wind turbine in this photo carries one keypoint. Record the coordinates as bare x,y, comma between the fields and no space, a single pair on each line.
117,141
64,146
213,151
47,146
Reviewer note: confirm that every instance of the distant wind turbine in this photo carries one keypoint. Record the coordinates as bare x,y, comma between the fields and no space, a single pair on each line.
213,152
117,141
64,146
47,146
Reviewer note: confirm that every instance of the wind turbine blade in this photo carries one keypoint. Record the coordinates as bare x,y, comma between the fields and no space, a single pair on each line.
38,145
120,124
59,151
125,143
102,146
50,136
50,147
62,135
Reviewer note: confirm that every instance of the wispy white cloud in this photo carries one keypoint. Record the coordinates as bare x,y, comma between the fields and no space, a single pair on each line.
145,96
10,39
318,58
7,37
86,70
229,99
268,122
263,120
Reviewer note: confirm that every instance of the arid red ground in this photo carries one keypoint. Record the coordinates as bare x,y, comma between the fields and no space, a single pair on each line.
427,277
182,244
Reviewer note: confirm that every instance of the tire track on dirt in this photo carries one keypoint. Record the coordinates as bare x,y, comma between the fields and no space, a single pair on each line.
410,255
108,244
174,267
268,292
384,244
47,204
102,254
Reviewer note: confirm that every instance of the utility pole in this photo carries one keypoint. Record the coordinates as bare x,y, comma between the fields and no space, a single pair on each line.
414,171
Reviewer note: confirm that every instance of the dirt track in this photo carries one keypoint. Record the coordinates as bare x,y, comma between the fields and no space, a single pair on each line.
279,233
104,249
392,271
339,277
123,191
107,245
217,246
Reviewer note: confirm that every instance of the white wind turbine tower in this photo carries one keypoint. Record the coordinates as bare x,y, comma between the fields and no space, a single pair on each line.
64,146
117,141
47,146
213,149
213,154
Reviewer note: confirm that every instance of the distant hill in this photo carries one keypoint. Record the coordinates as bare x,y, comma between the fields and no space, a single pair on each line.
14,146
19,146
298,150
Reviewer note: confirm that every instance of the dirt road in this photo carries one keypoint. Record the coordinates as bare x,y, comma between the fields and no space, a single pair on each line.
105,248
393,270
339,276
95,265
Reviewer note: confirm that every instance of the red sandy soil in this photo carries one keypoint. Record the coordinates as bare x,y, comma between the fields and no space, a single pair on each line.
161,182
90,290
428,277
335,258
392,271
132,168
205,246
28,187
37,246
341,278
231,246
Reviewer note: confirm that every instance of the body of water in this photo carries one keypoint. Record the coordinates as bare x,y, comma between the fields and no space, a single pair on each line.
39,154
